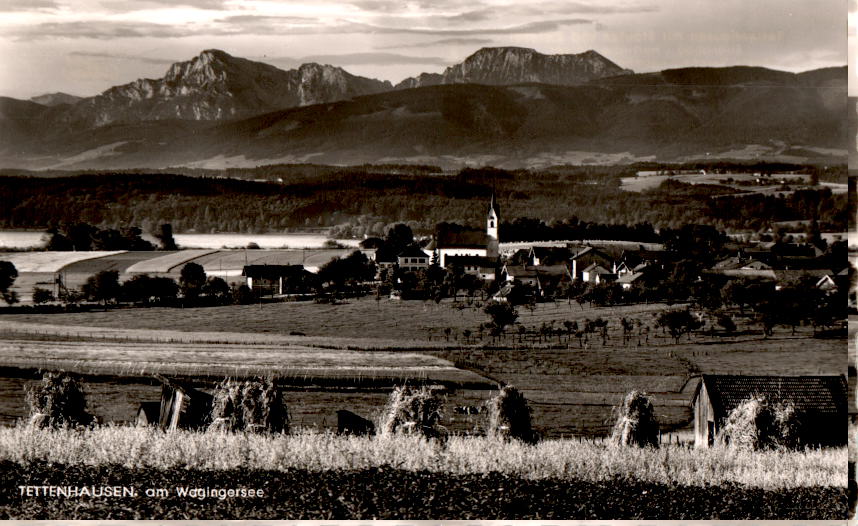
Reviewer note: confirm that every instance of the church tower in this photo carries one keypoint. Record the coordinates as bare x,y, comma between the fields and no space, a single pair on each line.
492,226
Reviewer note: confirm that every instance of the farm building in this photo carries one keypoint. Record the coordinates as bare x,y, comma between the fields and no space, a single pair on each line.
276,279
181,407
819,401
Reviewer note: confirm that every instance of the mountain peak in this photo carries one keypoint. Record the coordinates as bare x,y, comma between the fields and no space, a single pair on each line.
55,99
514,65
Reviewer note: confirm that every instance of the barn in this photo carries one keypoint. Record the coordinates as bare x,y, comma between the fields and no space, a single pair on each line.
181,407
819,401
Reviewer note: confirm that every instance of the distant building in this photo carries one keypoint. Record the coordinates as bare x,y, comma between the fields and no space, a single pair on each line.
483,267
819,402
412,259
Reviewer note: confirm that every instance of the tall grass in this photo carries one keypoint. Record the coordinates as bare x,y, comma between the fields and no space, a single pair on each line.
563,459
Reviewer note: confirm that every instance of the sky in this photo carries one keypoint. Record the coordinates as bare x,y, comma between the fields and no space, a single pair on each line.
83,47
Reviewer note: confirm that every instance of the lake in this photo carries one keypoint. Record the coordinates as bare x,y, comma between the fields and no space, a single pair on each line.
23,240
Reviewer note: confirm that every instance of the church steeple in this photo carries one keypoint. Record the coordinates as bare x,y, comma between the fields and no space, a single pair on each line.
492,224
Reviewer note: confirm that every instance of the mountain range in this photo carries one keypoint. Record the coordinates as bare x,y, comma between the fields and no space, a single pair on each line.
503,106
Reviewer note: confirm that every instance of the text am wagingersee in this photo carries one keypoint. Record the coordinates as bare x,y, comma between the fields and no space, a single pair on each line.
131,491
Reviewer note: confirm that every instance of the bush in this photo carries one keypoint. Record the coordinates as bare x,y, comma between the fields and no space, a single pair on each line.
249,406
412,411
758,423
509,416
57,401
636,423
41,295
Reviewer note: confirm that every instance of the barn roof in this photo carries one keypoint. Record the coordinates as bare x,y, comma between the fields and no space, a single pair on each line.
271,271
808,394
413,252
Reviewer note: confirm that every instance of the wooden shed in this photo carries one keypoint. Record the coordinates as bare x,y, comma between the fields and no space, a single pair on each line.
820,404
181,407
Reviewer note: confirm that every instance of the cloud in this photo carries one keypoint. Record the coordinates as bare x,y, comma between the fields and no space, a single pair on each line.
98,30
138,5
120,56
544,26
8,6
463,41
258,25
361,59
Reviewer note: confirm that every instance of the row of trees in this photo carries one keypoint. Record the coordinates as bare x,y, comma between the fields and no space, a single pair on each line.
86,237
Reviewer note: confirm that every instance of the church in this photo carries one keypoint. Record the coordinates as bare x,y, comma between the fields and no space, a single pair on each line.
475,250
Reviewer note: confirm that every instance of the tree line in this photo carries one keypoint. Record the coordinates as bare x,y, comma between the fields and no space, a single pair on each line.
359,203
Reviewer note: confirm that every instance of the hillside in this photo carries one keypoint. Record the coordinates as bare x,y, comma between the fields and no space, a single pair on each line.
737,113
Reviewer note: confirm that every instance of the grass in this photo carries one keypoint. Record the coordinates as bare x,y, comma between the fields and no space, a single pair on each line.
49,261
551,459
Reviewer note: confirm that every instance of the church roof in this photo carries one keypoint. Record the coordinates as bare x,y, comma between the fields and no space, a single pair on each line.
463,239
493,205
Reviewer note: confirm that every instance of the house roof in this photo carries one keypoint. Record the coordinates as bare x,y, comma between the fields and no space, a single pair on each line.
521,271
595,267
808,394
557,253
630,277
413,252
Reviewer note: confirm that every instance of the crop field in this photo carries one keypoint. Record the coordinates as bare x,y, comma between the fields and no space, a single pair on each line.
310,475
49,261
639,184
224,360
165,263
119,262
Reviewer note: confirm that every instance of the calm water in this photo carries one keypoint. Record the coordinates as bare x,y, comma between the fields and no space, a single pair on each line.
9,239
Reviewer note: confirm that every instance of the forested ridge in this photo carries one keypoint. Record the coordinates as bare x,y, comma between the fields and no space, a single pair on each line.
364,200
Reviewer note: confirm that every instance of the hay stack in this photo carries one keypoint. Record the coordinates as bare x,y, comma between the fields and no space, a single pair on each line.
636,423
58,401
412,411
757,424
249,406
509,416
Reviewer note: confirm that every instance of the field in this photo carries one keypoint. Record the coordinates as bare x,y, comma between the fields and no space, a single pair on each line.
572,387
50,261
738,181
401,477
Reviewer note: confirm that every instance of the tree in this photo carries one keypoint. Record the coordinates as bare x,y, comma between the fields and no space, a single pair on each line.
191,280
216,287
242,295
678,322
41,295
8,274
102,286
165,237
501,314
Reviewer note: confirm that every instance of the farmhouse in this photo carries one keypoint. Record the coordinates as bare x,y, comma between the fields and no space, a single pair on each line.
484,267
819,401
